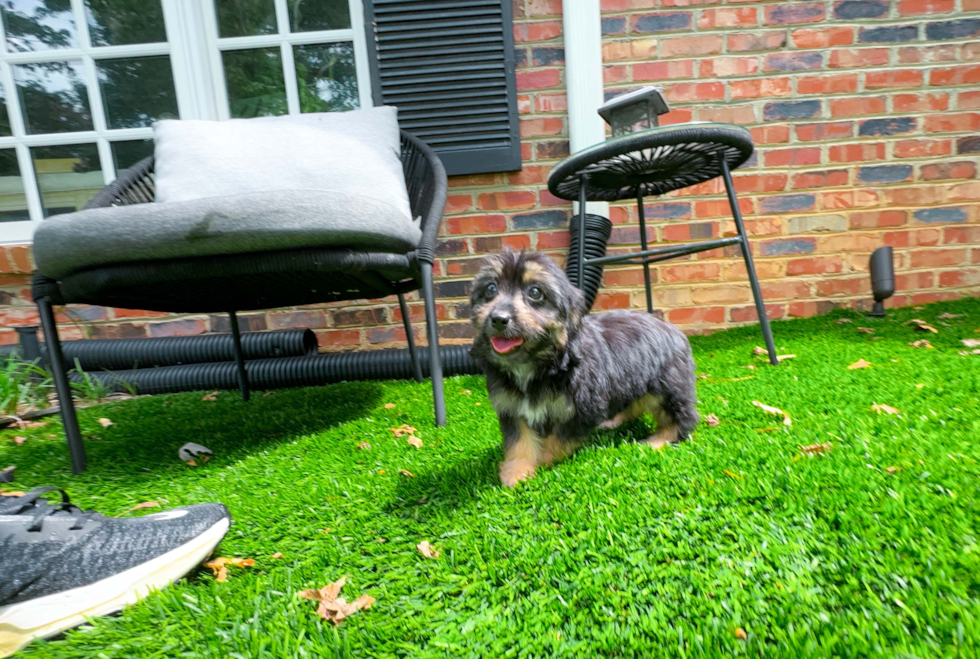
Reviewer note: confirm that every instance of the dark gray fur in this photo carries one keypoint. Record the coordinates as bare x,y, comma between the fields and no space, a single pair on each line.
610,360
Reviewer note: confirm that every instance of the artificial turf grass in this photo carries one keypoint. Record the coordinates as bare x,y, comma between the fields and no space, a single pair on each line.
620,551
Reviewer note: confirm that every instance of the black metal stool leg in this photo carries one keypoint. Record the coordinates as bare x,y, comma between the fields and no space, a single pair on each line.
760,305
239,356
643,246
57,363
582,190
435,361
409,336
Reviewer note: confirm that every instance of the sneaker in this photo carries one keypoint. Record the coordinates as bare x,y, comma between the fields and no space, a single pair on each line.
60,565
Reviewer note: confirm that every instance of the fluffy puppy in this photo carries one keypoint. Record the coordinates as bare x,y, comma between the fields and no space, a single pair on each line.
554,374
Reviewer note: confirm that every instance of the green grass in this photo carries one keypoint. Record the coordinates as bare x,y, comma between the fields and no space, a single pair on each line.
621,551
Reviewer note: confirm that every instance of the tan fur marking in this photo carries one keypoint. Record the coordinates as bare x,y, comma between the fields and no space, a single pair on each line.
554,450
531,272
666,431
526,315
521,457
648,404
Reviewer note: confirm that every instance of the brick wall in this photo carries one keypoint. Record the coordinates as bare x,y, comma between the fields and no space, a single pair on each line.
866,115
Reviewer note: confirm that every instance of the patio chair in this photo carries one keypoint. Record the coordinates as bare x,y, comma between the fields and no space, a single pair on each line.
229,283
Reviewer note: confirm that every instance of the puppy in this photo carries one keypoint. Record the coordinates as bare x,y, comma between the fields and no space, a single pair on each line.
554,374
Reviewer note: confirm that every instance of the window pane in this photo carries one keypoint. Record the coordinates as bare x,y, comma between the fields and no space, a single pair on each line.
309,15
241,18
128,153
53,97
13,203
326,77
4,117
67,176
38,24
255,82
136,91
119,22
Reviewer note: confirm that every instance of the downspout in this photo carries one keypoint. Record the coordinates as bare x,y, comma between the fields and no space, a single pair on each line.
582,29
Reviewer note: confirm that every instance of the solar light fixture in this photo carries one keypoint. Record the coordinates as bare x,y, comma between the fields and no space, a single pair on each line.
882,279
634,111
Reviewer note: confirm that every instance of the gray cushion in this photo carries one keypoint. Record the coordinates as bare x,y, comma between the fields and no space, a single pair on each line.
357,152
235,224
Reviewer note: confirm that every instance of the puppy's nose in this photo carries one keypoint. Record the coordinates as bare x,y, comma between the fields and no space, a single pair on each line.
500,319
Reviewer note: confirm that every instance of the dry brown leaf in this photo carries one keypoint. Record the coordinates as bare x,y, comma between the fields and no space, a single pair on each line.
922,326
971,343
841,321
142,506
747,377
36,424
759,350
866,330
278,554
920,385
364,446
751,367
780,358
105,423
921,343
389,406
219,566
268,393
12,493
891,470
712,420
211,396
333,607
732,475
191,463
740,634
949,316
18,440
774,410
427,549
403,429
887,409
406,472
813,449
415,441
703,376
859,364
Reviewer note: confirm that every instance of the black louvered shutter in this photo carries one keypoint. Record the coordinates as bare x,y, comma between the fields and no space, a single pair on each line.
448,65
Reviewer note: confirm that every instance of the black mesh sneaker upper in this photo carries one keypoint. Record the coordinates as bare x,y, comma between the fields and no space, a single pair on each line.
50,548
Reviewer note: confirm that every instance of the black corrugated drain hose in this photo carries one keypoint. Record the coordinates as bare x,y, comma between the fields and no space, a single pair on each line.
597,232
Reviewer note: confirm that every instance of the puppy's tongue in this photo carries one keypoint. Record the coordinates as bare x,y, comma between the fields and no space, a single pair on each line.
503,344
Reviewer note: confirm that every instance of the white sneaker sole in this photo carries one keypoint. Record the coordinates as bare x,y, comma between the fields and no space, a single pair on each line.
46,616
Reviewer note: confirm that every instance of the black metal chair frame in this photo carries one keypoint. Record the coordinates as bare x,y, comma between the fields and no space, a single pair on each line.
241,282
656,161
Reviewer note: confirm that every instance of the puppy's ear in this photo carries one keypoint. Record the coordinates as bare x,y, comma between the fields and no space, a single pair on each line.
576,307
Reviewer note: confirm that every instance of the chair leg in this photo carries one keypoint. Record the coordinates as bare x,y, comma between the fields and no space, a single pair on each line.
57,363
582,190
239,356
435,361
760,305
409,335
643,245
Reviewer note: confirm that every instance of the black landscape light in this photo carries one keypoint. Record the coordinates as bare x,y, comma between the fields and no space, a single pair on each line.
882,279
637,110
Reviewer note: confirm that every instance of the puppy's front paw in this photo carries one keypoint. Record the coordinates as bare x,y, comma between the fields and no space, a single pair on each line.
612,423
513,471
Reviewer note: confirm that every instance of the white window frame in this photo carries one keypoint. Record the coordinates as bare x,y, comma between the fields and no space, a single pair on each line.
194,48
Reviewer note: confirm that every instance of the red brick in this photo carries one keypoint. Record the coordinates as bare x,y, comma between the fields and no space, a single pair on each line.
723,67
689,272
848,242
523,104
20,258
529,175
477,223
919,54
952,278
839,199
676,116
920,102
919,7
823,132
741,42
857,152
376,335
829,287
473,180
760,183
553,239
847,58
720,208
761,87
516,241
541,126
770,134
518,199
691,45
922,148
794,157
785,290
543,7
823,37
947,122
857,106
615,73
542,30
877,219
842,83
120,331
728,17
695,91
912,280
547,199
683,232
312,318
913,196
895,79
968,100
732,114
624,277
763,269
825,179
538,79
606,301
749,314
551,102
932,258
957,75
786,13
948,170
333,340
136,313
458,203
666,70
688,316
817,265
183,327
964,192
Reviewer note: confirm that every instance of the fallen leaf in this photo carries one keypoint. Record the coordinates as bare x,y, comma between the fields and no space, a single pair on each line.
278,554
732,475
712,420
921,343
887,409
218,566
891,470
191,463
333,607
949,316
427,550
364,446
780,358
866,330
774,410
813,449
740,634
18,440
380,471
36,424
406,472
759,350
268,393
919,386
11,493
859,364
403,429
211,396
971,343
466,392
415,441
703,376
751,367
748,377
841,321
389,406
105,423
922,326
141,506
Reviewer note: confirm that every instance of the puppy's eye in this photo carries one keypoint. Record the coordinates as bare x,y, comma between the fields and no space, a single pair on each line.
490,290
535,293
